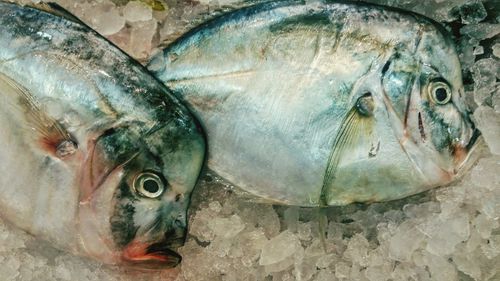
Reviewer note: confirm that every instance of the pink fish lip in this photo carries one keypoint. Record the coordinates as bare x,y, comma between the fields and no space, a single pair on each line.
156,255
462,153
147,256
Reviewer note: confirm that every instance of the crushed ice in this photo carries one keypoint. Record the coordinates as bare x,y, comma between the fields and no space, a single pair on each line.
451,233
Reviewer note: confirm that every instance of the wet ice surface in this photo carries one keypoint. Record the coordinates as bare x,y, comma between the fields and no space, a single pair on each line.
451,233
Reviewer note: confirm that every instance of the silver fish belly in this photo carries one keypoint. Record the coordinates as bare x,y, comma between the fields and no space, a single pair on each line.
318,103
97,157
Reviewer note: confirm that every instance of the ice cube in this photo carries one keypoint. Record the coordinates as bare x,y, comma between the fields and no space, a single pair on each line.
481,31
278,253
496,50
141,36
260,215
357,250
467,265
488,122
377,273
9,267
226,227
444,235
491,249
485,173
472,12
137,11
304,231
342,270
325,275
484,74
478,50
406,239
304,267
104,17
440,268
485,225
326,261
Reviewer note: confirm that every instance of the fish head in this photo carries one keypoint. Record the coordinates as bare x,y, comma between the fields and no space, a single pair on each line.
140,176
425,99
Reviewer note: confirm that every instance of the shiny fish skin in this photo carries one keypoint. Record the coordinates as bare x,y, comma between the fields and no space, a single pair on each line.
324,103
97,157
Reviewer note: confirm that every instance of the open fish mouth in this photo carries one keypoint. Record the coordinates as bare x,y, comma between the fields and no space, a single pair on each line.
476,135
152,257
466,156
158,255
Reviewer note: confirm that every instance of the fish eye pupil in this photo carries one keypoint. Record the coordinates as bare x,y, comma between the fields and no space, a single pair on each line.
441,94
151,186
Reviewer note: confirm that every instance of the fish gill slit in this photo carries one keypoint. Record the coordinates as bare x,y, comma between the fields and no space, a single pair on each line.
419,38
407,112
421,127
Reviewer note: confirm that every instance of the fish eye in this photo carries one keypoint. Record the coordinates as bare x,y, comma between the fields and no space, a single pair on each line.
440,92
149,184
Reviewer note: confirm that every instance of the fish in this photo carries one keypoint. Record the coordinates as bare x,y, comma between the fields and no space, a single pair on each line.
325,103
97,156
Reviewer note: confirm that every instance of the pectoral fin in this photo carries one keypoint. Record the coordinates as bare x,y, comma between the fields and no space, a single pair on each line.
49,133
355,130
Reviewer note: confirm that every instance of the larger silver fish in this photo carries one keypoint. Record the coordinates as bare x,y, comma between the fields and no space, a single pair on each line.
96,156
324,103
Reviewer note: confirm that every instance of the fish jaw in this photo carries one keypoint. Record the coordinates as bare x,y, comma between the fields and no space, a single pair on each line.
149,255
465,156
94,234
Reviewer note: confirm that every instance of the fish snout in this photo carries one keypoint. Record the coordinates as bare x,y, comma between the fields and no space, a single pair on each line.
466,154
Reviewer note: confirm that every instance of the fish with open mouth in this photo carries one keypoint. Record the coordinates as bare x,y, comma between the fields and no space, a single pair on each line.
320,103
98,157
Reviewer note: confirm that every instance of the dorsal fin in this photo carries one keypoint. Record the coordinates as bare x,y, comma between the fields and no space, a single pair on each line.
55,9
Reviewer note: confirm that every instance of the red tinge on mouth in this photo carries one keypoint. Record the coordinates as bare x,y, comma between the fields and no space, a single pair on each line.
143,254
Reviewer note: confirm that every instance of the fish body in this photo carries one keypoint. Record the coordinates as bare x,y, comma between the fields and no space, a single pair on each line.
321,103
97,156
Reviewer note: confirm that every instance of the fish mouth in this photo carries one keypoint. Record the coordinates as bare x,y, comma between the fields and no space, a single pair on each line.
466,156
154,256
476,134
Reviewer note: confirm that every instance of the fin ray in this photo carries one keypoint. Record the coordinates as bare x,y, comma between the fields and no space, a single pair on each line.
51,134
352,129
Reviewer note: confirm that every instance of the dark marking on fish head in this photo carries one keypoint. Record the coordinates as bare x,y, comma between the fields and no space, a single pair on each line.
155,167
398,75
156,192
421,128
442,119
